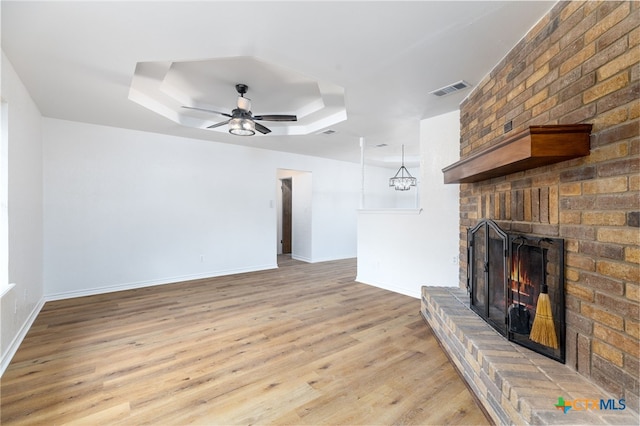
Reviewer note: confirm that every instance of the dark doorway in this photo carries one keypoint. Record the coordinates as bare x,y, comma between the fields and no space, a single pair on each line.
286,215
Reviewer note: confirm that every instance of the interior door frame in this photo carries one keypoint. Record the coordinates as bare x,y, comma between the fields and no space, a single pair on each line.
302,209
286,222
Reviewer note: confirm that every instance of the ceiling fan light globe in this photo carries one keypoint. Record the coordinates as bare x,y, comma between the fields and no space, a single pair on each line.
242,127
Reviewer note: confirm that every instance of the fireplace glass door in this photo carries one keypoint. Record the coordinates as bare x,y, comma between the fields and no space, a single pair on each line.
536,290
488,249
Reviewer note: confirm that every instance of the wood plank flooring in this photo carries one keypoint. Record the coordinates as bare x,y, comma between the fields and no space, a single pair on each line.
302,344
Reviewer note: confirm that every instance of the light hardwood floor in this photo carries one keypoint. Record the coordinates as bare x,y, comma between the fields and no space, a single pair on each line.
301,344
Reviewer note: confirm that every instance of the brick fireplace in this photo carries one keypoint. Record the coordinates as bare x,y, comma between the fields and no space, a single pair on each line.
578,65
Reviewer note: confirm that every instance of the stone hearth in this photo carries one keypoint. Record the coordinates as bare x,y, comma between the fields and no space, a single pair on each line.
514,384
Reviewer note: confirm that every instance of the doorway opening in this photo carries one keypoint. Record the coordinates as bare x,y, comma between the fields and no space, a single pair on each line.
294,219
287,205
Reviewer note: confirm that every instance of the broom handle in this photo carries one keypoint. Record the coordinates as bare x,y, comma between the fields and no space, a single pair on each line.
518,267
544,287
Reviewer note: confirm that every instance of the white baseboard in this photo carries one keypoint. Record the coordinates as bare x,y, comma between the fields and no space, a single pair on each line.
151,283
301,258
320,259
17,340
395,289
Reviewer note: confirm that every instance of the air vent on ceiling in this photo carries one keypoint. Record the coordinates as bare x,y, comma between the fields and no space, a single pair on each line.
328,132
451,88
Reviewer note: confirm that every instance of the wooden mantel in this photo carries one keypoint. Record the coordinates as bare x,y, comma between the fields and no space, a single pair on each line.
533,147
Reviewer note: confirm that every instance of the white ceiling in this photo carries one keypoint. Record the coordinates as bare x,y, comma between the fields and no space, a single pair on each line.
78,58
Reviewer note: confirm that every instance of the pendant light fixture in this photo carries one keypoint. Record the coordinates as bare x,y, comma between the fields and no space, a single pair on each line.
403,181
242,126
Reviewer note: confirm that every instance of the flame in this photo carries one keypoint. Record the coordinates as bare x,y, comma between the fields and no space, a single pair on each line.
523,280
523,289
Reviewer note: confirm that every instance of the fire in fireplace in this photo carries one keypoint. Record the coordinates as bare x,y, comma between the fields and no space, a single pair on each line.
516,284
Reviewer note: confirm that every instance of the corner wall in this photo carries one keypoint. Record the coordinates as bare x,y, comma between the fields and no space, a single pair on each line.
126,209
403,250
579,64
25,246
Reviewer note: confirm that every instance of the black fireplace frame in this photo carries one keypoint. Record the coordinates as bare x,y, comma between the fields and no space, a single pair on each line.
497,249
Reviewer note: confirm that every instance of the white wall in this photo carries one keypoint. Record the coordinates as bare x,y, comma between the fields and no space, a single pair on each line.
340,203
404,250
25,213
378,193
440,139
125,209
302,236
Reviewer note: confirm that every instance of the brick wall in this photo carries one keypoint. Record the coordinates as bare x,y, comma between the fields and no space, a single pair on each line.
579,64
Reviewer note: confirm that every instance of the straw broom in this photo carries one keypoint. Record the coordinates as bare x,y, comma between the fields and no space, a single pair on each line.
543,330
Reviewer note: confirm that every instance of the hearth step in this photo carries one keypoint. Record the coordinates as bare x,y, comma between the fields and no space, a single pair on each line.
514,384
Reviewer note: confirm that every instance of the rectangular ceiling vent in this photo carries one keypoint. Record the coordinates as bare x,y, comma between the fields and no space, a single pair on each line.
328,132
451,88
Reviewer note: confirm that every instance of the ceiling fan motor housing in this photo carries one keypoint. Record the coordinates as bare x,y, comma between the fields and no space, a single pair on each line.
242,88
244,104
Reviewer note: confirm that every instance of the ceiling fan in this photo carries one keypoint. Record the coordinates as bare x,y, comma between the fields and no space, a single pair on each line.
241,121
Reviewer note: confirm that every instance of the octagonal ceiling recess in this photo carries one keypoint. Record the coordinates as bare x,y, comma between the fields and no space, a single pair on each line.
165,87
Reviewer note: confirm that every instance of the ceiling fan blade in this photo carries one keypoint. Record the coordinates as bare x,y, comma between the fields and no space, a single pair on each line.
275,117
222,123
207,110
262,129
